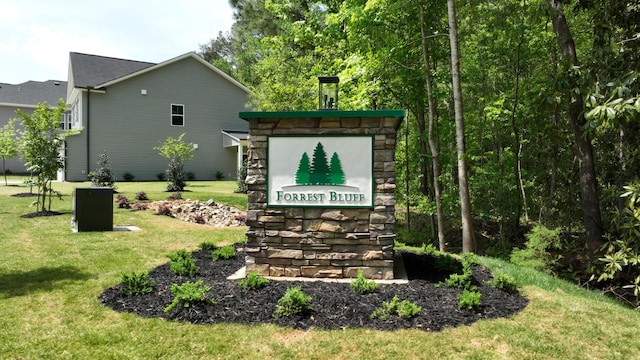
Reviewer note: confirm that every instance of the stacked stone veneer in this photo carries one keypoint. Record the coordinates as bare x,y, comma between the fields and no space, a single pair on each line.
322,242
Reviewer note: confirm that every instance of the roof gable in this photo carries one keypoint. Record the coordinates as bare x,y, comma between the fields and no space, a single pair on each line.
92,70
31,93
189,55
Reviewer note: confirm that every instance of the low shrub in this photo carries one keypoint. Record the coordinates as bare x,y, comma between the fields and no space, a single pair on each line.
198,219
253,281
137,283
190,176
164,210
141,195
188,294
469,300
405,309
219,175
360,285
225,253
128,176
175,196
504,282
182,264
123,202
140,206
537,254
294,301
161,176
207,245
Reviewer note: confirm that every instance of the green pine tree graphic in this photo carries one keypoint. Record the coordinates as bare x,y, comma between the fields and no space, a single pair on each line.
304,168
335,170
319,171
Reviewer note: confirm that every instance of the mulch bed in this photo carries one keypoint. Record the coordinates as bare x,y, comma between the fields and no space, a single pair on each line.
334,305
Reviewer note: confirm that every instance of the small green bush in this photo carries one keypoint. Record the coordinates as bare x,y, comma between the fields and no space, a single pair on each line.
219,175
137,283
447,263
175,196
360,285
225,253
504,282
182,264
405,309
469,300
161,176
241,175
128,176
207,245
536,253
188,294
253,281
294,301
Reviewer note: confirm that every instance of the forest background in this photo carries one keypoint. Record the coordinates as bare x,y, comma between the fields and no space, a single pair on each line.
550,115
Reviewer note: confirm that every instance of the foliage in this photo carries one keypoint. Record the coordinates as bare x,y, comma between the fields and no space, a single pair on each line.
361,285
405,309
164,209
161,176
41,142
127,176
225,253
141,196
103,176
620,263
177,151
253,281
198,219
241,176
191,176
207,245
9,145
182,263
504,282
137,283
537,252
123,202
189,293
175,196
294,301
219,175
470,300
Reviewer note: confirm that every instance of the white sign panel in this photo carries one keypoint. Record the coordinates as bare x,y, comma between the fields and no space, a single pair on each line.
327,171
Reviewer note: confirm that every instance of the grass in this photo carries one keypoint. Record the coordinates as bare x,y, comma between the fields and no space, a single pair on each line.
50,280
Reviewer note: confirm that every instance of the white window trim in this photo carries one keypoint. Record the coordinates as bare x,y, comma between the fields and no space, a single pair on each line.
172,114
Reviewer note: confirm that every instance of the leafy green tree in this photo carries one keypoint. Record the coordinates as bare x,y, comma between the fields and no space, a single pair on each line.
319,174
336,175
9,145
103,176
304,168
42,140
177,151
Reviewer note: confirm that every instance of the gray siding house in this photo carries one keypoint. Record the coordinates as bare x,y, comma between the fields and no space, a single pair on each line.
125,108
26,97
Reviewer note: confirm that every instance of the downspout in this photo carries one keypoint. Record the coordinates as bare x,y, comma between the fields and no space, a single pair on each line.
88,128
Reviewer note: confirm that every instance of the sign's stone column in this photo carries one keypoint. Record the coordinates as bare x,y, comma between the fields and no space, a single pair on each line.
314,235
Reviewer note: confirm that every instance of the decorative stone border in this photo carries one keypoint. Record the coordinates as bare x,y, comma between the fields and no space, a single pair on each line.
322,242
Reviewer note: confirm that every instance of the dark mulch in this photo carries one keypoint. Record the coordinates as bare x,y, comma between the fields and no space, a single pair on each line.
25,195
334,305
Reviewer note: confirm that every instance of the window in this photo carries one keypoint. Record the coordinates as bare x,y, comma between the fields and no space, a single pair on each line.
65,121
177,115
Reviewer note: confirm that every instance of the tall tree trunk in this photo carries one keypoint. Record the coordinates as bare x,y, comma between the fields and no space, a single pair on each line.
589,201
433,142
468,239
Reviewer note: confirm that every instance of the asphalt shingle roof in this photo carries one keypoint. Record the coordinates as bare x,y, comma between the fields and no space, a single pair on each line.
33,92
93,70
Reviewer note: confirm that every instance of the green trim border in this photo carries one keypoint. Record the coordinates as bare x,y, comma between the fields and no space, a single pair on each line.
247,115
325,206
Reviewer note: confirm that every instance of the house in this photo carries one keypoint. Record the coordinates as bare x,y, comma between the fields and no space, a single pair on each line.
126,108
26,97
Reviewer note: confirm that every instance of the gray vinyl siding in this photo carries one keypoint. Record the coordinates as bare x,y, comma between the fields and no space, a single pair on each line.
13,165
127,125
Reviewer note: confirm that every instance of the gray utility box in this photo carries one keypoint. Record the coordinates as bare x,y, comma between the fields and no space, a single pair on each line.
92,209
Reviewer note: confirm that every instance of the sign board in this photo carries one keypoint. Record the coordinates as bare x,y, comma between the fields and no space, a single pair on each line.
326,171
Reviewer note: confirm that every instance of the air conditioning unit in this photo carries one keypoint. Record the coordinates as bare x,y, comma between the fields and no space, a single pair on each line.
92,209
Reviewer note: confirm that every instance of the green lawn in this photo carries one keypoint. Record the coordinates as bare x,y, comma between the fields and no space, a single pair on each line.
50,280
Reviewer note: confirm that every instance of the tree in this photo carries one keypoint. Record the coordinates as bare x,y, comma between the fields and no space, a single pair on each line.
177,152
304,170
590,201
41,143
319,174
103,176
9,145
468,239
336,175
